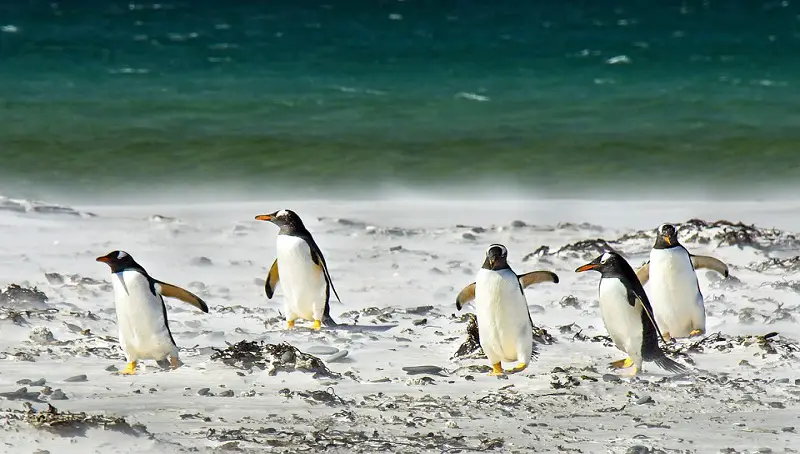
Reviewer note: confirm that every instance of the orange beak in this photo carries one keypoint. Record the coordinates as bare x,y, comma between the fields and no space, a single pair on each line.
587,267
103,259
666,238
263,217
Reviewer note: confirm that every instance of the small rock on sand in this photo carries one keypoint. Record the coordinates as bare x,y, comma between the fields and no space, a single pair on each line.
226,393
645,400
416,370
321,350
611,378
337,356
39,382
76,378
203,391
112,368
58,395
201,261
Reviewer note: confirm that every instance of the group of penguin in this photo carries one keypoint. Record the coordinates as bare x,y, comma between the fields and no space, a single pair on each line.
504,322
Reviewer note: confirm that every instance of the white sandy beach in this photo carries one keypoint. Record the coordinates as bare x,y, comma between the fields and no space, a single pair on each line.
398,256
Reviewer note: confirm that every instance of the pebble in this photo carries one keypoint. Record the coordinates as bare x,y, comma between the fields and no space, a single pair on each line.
75,379
420,322
645,400
782,380
24,381
321,350
765,450
468,236
451,425
469,378
201,261
788,429
611,378
39,382
58,395
226,393
777,405
638,449
41,451
112,368
203,391
337,356
415,370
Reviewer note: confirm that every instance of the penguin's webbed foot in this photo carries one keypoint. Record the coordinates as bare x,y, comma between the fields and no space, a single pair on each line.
173,362
317,325
518,368
289,324
666,336
695,332
622,364
634,371
497,369
130,369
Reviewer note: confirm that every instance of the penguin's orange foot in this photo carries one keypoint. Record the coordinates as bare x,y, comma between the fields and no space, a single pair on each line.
173,362
634,371
130,369
497,369
666,336
518,368
289,324
317,325
695,332
622,364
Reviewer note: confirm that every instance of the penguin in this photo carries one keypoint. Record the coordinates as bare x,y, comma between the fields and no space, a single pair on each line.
141,313
504,323
301,269
627,314
674,290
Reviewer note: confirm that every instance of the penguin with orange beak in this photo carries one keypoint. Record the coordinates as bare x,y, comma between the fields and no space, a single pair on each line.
301,270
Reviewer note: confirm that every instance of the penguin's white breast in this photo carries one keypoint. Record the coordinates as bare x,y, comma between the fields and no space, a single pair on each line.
299,275
672,278
140,313
623,321
501,308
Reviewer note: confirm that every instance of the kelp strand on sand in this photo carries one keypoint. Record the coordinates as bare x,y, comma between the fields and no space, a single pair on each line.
271,357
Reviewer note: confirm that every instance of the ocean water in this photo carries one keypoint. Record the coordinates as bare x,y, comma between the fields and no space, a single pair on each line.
316,96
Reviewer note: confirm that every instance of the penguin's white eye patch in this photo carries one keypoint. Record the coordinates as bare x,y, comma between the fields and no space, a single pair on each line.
503,250
605,257
122,254
282,214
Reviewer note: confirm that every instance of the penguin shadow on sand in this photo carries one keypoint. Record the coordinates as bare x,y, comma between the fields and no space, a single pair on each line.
303,274
142,314
504,323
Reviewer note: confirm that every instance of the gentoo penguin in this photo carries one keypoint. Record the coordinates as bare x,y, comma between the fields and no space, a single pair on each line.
504,323
674,290
303,272
141,314
627,314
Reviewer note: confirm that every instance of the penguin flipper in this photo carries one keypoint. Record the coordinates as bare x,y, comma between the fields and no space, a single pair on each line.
466,295
704,261
173,291
643,273
319,260
272,280
536,277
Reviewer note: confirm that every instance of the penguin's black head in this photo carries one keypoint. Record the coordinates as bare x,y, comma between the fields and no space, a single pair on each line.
496,257
118,261
287,220
607,263
667,236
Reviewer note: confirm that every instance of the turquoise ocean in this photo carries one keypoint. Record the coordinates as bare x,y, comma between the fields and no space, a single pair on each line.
313,97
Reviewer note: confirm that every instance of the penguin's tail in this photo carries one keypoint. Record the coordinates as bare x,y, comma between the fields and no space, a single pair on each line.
328,321
669,365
